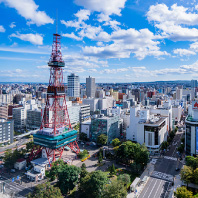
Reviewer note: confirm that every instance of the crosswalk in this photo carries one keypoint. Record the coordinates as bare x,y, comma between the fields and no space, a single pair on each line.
170,158
163,176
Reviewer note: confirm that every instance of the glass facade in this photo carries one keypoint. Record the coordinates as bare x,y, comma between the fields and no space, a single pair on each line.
188,139
108,126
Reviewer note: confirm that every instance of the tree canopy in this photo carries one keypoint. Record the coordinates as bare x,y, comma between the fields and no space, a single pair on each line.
102,139
93,184
116,142
182,192
115,189
10,157
186,174
68,178
57,167
129,152
45,190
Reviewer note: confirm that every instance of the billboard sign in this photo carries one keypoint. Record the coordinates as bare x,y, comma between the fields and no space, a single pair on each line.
195,105
196,140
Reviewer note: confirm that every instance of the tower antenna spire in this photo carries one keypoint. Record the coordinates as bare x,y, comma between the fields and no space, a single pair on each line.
56,20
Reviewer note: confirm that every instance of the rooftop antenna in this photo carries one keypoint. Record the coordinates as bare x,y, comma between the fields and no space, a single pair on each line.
57,21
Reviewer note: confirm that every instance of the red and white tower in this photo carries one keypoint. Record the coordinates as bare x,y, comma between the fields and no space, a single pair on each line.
55,131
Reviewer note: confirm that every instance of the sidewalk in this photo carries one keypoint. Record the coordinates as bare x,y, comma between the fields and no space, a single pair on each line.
177,184
147,172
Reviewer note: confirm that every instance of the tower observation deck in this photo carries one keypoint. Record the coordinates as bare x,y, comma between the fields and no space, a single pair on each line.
55,131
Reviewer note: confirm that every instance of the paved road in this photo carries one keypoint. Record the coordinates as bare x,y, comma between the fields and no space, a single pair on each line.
155,188
14,187
160,181
15,144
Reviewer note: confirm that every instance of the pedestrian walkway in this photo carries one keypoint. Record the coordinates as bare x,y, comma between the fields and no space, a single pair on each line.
170,158
163,176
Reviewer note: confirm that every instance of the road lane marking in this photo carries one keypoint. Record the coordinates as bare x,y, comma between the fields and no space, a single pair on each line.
158,188
151,179
152,188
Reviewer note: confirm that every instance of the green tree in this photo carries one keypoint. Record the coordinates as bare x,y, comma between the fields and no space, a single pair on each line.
182,192
102,139
29,146
181,148
93,184
100,157
83,154
136,168
125,178
57,167
186,174
164,145
83,136
8,159
45,191
115,142
83,172
112,170
195,176
68,178
11,157
115,189
192,162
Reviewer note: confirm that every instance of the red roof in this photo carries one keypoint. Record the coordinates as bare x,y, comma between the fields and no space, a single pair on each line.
20,160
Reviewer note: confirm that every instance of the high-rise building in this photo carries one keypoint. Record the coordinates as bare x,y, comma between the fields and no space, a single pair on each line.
73,85
90,87
6,131
4,111
193,83
179,94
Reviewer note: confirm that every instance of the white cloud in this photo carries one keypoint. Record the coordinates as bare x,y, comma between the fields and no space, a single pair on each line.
2,29
23,50
83,15
125,42
12,25
174,22
43,67
78,60
194,46
36,39
29,10
92,70
73,36
103,17
108,7
183,52
113,24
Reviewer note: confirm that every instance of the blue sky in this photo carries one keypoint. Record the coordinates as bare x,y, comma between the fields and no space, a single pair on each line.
113,41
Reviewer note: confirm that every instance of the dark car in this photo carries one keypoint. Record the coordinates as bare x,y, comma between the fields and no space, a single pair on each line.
177,169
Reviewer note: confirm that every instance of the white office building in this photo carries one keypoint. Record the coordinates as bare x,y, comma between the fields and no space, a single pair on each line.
147,128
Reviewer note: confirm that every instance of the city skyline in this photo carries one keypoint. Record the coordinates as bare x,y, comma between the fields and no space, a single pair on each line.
119,41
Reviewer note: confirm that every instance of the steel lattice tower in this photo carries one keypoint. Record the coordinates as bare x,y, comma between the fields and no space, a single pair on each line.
55,131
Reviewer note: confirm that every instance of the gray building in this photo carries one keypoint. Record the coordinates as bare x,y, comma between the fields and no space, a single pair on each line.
193,83
73,85
90,87
6,131
34,119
